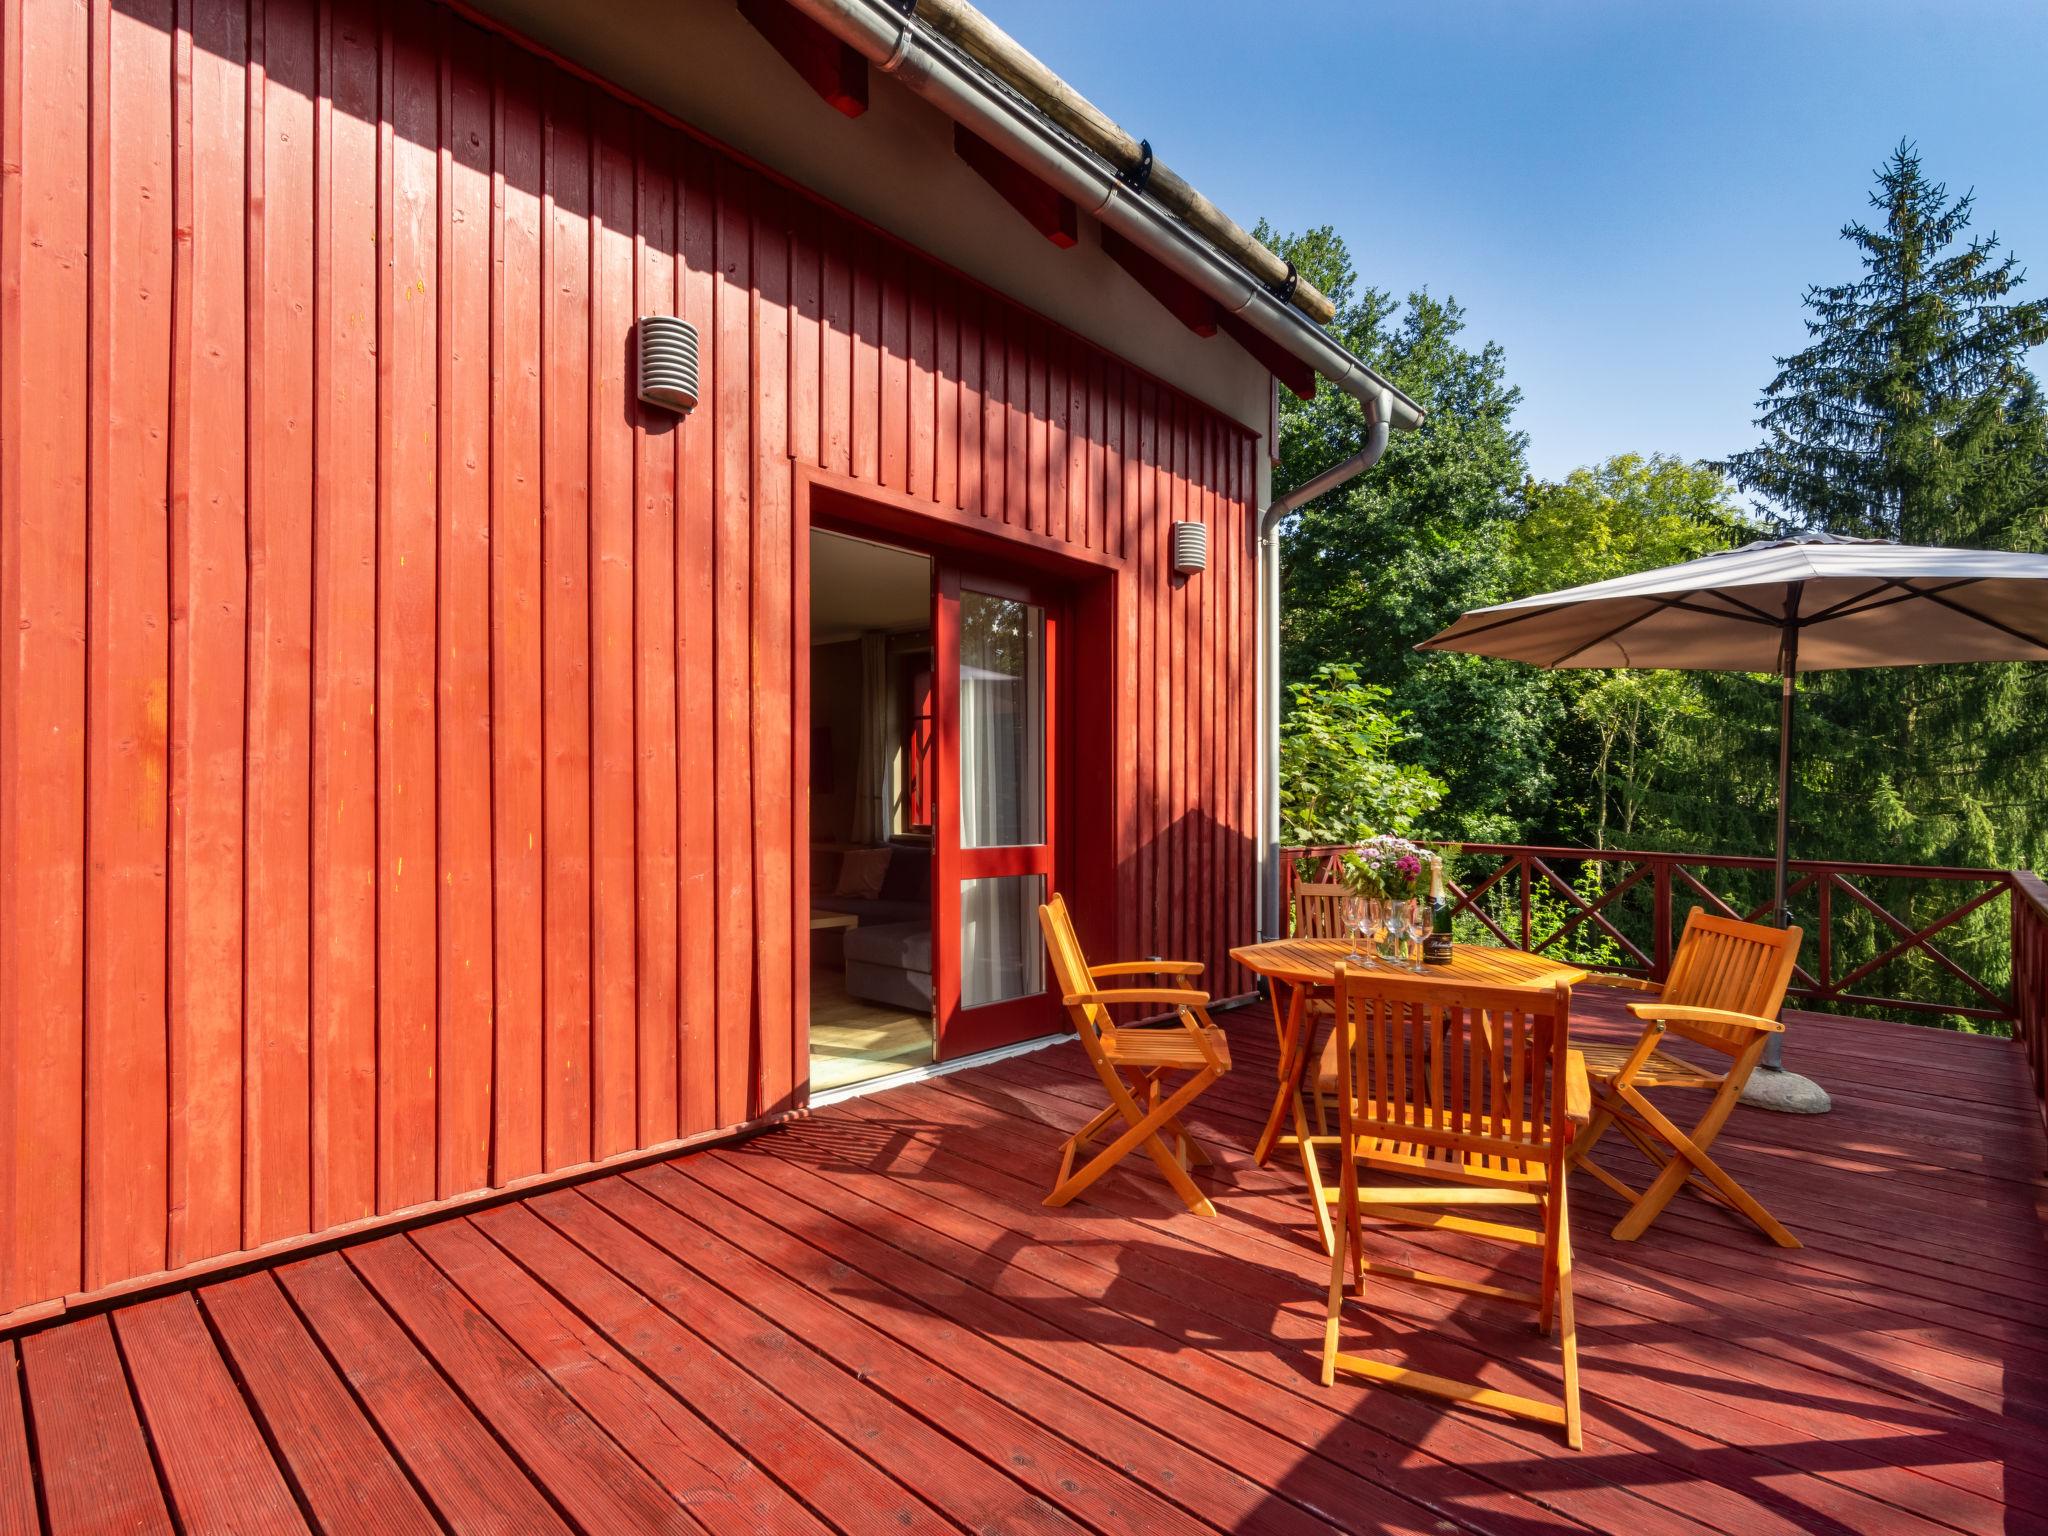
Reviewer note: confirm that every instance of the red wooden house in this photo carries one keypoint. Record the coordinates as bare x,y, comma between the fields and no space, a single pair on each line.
425,769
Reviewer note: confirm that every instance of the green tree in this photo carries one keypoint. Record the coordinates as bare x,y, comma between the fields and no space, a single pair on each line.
1389,559
1911,415
1632,513
1339,781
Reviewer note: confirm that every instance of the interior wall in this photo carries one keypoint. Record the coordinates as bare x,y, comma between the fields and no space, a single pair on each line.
835,708
399,786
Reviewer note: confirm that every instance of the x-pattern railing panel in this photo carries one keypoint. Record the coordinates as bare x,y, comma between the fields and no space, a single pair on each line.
1505,902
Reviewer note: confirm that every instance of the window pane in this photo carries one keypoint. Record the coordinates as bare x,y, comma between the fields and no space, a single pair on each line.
1000,953
1002,722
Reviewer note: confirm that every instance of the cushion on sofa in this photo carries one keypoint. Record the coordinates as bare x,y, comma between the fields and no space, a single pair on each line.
907,946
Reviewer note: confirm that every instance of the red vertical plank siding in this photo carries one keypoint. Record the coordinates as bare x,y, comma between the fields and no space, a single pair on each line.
462,1073
565,620
774,646
403,758
655,787
209,542
407,592
696,660
614,982
731,387
128,685
517,733
281,473
346,434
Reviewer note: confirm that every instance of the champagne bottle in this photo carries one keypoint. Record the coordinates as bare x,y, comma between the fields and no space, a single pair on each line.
1436,948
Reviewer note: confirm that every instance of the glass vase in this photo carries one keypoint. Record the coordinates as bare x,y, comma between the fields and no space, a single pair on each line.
1406,925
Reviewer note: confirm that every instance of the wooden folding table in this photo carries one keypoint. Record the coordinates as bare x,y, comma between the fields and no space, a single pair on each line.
1296,969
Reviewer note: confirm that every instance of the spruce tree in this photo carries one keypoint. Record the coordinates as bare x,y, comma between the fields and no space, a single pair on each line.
1910,415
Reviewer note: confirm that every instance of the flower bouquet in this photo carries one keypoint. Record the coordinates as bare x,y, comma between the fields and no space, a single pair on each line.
1392,876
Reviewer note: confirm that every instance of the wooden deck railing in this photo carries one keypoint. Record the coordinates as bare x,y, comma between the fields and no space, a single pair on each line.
1901,939
2030,975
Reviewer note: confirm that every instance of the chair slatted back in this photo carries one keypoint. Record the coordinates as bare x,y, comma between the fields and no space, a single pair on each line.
1433,1069
1319,911
1070,969
1736,966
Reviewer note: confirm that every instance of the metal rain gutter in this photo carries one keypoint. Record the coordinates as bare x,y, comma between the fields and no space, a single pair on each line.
946,78
1378,416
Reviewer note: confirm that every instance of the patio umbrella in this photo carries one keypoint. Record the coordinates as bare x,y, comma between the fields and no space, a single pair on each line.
1813,602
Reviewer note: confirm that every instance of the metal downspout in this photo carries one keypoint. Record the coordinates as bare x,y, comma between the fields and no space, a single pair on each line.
1379,423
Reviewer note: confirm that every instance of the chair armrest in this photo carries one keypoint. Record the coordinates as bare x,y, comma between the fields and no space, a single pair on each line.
1147,968
1578,1092
1624,983
1111,996
1673,1013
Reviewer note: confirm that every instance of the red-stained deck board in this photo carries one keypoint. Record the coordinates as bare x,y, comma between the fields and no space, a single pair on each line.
450,1454
868,1318
721,1237
330,1450
1770,1402
1251,1472
720,1488
219,1471
94,1462
596,1484
17,1462
780,1281
899,1447
776,1435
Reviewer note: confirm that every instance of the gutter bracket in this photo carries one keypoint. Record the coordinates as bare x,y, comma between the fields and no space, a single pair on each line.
1284,292
1139,176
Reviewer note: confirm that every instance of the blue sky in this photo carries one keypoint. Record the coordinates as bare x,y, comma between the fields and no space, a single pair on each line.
1628,195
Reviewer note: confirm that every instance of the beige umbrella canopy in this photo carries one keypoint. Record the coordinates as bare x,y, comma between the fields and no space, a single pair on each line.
1829,602
1810,603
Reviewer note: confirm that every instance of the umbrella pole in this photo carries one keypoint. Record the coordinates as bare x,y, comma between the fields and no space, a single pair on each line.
1788,690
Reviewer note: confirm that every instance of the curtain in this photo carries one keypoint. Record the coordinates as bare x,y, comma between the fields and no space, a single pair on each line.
870,822
1002,793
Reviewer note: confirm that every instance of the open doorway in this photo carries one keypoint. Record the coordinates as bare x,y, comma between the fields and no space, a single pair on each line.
873,746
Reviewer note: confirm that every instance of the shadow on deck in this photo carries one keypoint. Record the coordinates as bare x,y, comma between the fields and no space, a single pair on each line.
866,1321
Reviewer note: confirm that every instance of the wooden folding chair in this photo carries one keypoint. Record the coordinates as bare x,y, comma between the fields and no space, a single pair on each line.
1475,1089
1319,914
1134,1062
1727,984
1319,911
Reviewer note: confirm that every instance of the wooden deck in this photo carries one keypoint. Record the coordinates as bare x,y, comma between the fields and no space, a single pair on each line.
867,1322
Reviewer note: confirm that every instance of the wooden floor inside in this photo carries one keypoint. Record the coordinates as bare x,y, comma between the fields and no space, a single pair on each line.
867,1322
856,1041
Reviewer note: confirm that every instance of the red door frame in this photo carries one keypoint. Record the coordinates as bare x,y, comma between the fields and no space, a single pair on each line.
1091,588
961,1031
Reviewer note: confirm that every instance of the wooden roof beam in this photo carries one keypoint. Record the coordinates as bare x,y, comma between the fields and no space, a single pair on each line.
1275,359
1181,298
1049,212
834,69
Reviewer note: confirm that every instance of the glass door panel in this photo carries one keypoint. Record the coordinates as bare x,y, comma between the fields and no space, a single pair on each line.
1001,955
1002,722
994,649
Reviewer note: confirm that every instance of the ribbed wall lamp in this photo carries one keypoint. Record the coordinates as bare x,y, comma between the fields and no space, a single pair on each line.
1190,548
668,363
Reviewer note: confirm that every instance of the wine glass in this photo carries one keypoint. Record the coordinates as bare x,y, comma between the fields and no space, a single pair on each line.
1357,924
